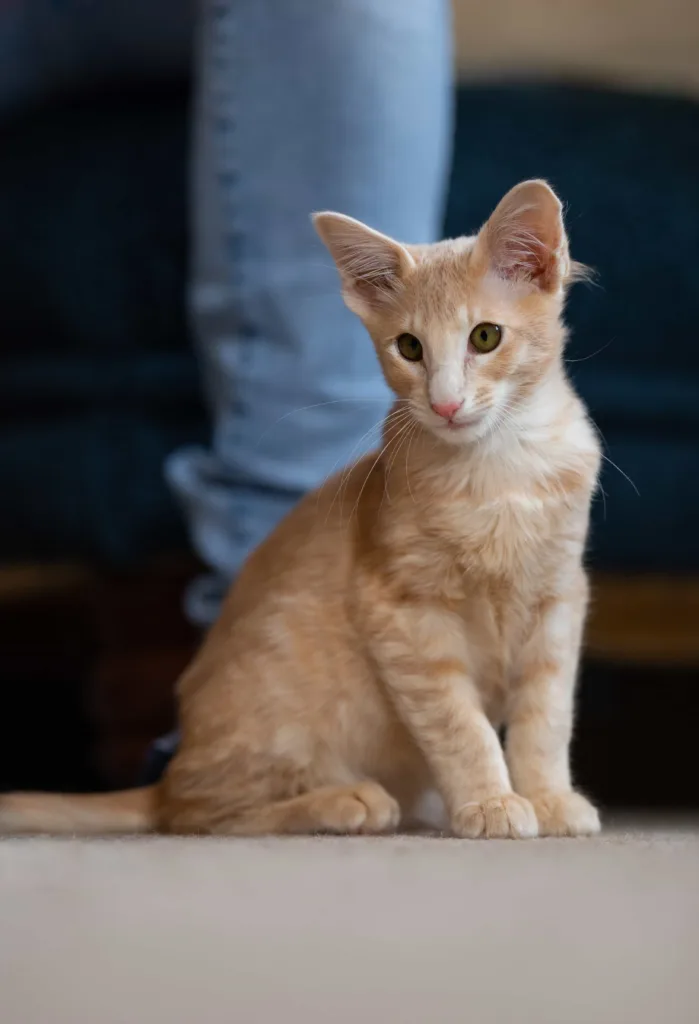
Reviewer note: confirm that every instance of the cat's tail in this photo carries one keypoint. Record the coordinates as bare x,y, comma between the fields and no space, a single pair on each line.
132,810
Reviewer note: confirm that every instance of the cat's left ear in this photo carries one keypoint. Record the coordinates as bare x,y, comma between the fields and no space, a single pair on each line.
372,266
525,240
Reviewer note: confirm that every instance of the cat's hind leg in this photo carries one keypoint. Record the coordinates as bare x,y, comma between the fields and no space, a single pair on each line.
361,808
365,807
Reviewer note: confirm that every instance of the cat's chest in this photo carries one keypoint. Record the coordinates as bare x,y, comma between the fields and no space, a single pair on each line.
494,550
504,539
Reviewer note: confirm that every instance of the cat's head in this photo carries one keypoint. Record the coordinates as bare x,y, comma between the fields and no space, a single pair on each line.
465,329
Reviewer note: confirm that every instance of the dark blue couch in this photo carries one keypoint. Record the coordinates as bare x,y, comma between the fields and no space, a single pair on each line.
98,380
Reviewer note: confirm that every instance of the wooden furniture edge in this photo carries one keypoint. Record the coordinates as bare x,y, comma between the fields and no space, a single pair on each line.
645,618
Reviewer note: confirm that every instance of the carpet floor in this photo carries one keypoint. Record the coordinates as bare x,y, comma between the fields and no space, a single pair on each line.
407,928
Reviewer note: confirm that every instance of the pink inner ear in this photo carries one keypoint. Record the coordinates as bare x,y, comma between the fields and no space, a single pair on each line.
382,282
522,248
522,258
524,237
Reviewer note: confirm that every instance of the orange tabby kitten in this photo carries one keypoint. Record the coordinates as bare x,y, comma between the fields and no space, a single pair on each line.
373,647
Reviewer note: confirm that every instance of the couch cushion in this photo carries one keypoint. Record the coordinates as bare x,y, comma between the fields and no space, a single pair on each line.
93,226
98,381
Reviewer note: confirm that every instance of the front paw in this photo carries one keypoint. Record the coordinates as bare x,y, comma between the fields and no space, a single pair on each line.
503,817
565,814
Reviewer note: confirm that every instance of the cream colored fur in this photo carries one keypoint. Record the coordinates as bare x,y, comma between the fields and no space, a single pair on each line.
424,599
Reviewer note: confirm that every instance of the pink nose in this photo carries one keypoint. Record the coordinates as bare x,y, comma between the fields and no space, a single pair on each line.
447,409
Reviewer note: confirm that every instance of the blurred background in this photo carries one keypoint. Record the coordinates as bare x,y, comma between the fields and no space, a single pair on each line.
99,380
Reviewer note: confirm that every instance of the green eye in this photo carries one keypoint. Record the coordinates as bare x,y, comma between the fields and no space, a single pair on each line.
409,347
486,337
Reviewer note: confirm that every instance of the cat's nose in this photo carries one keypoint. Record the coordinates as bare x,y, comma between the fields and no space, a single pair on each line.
447,409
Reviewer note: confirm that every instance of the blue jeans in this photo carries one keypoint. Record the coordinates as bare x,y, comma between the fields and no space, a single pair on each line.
301,105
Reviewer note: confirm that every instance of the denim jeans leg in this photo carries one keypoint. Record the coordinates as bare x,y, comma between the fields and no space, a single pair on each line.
300,105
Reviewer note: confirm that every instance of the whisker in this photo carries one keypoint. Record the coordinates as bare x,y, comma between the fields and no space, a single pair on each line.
597,351
379,423
392,459
394,417
349,463
620,470
394,455
407,456
611,463
318,405
355,507
403,427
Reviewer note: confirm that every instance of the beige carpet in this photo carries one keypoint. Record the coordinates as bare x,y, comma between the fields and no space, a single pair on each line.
405,929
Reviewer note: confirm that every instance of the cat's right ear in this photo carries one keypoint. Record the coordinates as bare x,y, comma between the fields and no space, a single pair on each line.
372,266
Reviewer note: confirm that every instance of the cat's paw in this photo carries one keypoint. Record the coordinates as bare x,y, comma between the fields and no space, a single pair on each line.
366,807
566,814
503,817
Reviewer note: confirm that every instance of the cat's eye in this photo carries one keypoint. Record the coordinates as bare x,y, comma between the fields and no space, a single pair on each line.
409,347
486,337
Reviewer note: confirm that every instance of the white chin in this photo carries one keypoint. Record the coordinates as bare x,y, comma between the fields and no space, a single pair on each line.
465,433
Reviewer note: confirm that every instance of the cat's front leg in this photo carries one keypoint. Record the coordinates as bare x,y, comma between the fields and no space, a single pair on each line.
423,661
540,719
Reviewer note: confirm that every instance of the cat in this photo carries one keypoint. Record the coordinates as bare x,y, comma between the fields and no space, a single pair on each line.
430,596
